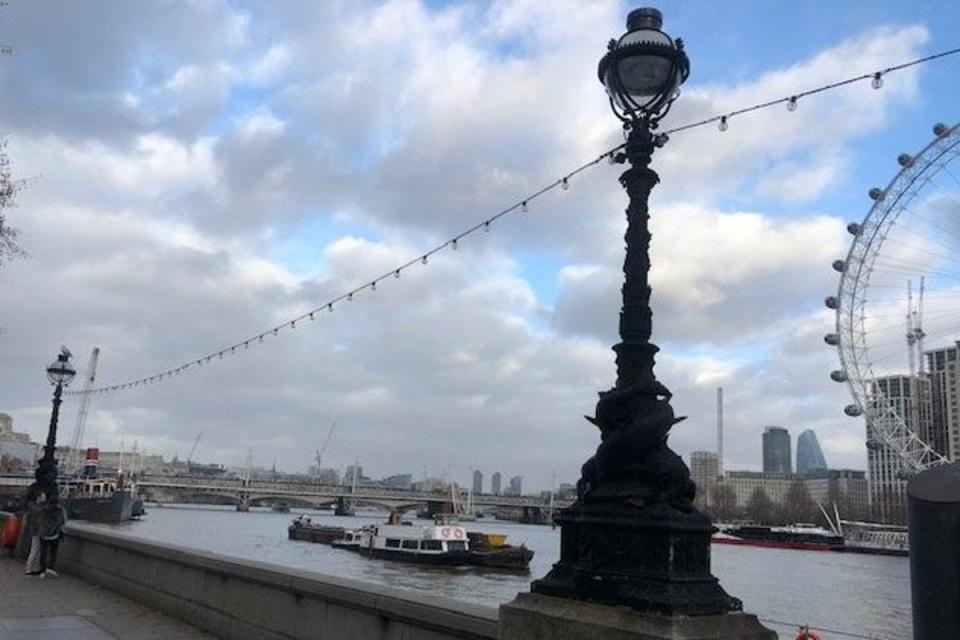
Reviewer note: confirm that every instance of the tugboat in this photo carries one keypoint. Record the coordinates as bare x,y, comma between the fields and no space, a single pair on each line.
303,529
107,500
100,500
492,550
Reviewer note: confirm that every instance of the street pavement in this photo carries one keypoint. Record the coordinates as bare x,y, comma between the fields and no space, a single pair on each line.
67,608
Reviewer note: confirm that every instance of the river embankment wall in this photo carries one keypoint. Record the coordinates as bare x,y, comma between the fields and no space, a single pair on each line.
234,598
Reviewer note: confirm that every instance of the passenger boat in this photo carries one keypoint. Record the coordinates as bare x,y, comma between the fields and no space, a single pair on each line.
492,550
805,536
440,543
877,539
350,541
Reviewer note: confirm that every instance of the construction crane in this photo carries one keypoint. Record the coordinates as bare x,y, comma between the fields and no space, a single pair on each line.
78,427
323,449
193,449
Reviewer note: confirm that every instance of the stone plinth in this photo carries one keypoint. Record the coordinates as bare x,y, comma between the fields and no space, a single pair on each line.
654,559
532,615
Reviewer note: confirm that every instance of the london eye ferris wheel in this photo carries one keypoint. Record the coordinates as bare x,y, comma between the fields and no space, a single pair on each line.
898,300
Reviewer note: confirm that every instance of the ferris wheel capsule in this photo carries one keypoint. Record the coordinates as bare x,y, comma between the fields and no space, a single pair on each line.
853,229
839,266
853,410
832,339
831,302
940,129
905,160
838,376
876,193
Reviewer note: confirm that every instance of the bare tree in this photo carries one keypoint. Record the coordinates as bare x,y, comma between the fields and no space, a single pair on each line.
724,503
798,506
9,246
760,507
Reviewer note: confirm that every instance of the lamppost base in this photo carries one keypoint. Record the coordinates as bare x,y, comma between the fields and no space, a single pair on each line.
532,615
654,559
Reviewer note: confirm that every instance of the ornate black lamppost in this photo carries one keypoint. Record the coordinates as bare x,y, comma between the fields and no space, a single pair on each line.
633,537
60,373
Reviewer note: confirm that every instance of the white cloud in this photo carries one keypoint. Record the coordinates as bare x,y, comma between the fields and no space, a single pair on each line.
165,180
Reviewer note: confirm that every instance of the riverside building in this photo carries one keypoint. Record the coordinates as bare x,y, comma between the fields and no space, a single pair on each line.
704,470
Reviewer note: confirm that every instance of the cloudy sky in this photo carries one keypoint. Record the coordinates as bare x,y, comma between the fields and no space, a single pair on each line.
199,172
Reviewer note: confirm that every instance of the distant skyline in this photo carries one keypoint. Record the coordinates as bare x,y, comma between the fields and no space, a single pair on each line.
199,172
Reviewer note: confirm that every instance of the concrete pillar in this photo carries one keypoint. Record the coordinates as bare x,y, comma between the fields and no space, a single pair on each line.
933,514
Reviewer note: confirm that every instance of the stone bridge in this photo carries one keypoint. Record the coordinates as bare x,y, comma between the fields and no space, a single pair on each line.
311,494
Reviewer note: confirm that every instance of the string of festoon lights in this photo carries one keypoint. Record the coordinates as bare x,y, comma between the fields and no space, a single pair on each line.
520,206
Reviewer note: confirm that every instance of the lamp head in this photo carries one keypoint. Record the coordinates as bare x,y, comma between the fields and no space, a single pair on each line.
60,370
643,70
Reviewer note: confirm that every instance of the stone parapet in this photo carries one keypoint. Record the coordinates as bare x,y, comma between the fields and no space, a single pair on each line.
234,598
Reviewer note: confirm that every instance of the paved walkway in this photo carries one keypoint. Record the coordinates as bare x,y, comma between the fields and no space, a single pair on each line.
67,608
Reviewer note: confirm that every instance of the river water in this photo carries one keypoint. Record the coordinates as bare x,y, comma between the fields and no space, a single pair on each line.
861,594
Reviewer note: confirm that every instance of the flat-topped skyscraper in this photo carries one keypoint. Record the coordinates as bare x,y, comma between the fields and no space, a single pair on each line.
776,450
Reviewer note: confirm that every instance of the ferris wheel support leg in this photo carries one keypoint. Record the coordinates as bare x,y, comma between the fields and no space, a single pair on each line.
933,512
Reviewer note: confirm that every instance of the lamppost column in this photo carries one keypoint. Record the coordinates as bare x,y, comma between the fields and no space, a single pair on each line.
46,473
59,373
635,353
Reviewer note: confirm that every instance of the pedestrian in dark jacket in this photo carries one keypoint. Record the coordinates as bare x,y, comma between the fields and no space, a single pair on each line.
31,527
52,519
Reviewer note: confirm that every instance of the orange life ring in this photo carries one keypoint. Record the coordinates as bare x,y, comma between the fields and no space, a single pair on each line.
806,634
11,530
458,533
445,532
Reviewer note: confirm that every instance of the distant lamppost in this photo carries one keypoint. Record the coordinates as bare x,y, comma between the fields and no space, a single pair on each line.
633,537
59,373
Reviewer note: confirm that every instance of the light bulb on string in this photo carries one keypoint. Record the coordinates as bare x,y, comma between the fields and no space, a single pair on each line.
276,331
396,274
453,244
565,184
330,307
350,296
877,81
486,226
293,324
373,286
311,317
792,103
723,126
524,207
423,260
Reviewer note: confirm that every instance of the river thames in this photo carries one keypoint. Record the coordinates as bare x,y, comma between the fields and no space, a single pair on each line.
859,594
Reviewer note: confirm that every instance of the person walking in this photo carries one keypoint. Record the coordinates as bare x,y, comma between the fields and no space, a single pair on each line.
31,529
52,519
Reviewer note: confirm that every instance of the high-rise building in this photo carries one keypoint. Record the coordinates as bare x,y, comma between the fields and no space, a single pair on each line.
477,482
942,430
704,470
516,487
776,450
886,476
495,483
809,455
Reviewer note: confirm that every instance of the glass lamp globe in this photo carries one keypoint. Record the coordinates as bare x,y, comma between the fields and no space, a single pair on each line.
644,68
61,371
